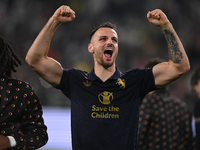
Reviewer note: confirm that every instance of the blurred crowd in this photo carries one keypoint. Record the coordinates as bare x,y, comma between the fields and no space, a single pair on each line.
22,20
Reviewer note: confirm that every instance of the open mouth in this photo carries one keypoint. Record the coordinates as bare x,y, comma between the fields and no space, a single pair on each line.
108,53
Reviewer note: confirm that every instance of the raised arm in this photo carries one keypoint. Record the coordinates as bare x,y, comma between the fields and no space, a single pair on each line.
37,58
178,63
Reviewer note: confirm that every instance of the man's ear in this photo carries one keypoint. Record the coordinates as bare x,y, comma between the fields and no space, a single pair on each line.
90,48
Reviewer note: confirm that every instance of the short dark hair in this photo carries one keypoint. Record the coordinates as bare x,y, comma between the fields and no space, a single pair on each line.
195,77
152,62
104,25
8,59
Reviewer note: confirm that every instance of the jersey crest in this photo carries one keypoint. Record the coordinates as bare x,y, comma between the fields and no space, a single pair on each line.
121,83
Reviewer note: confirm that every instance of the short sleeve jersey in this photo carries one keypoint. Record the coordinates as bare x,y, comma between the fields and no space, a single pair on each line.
104,115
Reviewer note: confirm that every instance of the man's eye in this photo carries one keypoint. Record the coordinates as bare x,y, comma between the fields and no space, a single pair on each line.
102,39
115,40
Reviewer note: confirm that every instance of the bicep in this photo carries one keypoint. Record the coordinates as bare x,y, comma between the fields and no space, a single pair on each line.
165,73
50,70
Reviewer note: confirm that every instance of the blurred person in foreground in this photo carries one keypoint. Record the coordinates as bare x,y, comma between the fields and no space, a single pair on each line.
165,122
105,102
195,83
21,123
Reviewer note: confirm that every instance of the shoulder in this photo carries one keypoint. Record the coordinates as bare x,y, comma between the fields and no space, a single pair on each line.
11,81
197,106
12,86
139,75
179,104
71,75
135,70
74,71
139,71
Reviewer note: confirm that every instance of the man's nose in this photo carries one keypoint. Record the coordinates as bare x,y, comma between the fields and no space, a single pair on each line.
110,41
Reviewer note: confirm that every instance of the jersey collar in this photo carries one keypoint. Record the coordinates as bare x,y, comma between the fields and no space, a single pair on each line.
93,77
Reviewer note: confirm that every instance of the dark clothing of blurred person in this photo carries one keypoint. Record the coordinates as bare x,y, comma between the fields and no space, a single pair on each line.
21,124
195,84
165,122
197,124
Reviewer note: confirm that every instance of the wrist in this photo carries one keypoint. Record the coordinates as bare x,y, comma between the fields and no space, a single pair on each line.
54,22
12,140
167,26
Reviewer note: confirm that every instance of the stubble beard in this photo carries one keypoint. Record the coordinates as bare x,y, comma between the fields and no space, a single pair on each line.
101,62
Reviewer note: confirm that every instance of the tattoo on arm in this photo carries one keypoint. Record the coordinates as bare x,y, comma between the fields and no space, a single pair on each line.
174,52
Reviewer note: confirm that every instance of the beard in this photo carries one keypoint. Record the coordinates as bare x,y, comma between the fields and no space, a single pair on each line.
107,64
104,63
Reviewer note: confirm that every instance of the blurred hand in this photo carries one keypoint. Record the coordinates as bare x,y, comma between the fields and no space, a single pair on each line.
158,18
4,142
64,14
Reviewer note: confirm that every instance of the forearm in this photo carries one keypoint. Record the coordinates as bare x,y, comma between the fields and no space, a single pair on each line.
176,51
40,46
178,64
4,142
39,49
35,138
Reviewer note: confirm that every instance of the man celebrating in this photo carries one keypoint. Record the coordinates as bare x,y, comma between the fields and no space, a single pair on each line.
105,103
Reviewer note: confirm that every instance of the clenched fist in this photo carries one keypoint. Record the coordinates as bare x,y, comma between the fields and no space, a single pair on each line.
158,18
64,14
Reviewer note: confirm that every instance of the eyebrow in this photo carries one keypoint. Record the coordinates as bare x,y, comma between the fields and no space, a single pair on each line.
102,36
107,36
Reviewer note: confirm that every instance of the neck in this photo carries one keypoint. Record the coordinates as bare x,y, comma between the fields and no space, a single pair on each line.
104,73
